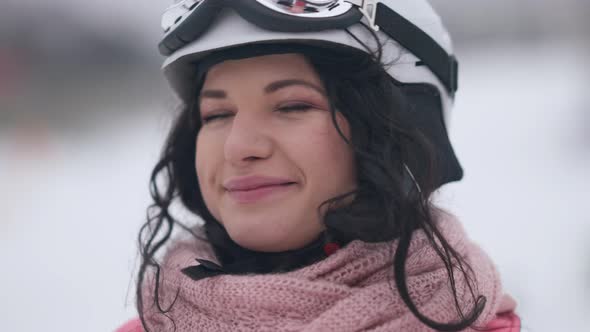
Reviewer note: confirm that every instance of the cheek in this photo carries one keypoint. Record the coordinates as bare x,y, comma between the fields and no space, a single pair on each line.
200,158
207,161
332,145
327,160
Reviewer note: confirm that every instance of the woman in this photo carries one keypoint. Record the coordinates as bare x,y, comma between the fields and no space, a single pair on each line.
311,139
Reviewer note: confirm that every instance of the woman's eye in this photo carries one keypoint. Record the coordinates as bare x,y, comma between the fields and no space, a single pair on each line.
298,107
213,117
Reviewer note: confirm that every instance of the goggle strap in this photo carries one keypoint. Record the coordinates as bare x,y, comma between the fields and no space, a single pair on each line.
431,54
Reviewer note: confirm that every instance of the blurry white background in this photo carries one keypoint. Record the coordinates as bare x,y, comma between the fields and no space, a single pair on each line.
84,110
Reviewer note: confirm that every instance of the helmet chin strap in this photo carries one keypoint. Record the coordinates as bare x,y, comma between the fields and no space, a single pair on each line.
413,179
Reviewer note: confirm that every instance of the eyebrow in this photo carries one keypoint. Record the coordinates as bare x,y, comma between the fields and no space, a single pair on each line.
216,94
272,87
275,86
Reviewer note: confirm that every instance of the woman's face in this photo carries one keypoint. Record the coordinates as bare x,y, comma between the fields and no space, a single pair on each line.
268,154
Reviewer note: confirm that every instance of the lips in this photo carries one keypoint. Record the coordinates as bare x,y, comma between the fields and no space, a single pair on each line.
251,189
254,182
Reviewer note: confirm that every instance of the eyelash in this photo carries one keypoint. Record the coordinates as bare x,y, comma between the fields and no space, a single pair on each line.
295,107
214,117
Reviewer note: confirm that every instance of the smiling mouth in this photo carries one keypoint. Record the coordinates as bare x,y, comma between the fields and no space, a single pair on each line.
256,194
262,186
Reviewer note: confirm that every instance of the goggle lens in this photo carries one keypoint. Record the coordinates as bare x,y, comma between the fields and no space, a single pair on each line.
309,8
306,6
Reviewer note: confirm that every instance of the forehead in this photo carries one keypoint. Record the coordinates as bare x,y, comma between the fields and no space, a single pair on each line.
267,68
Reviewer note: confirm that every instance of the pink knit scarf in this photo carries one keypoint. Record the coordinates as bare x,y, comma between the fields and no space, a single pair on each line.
351,290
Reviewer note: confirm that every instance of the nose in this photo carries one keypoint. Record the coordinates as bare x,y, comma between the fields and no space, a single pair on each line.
247,141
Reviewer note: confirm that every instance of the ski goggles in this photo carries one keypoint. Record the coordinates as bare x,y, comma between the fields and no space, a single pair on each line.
185,21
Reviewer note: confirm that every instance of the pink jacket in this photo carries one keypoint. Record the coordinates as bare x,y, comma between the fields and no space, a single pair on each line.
504,322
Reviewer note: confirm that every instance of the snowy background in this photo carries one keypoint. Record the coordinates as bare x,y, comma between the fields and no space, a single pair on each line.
84,110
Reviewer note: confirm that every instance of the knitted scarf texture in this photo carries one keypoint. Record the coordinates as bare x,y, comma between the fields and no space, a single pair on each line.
351,290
